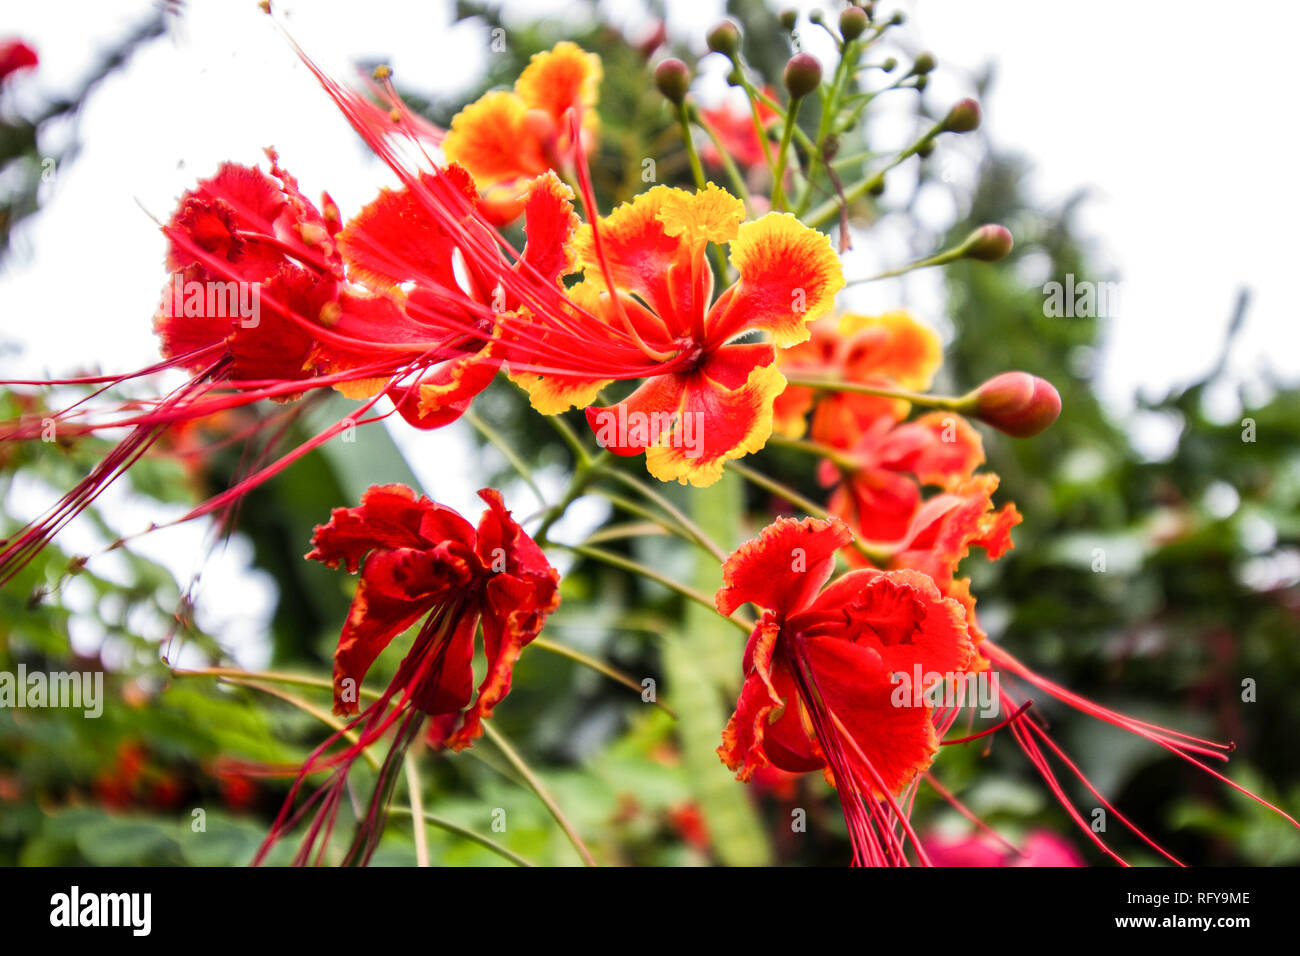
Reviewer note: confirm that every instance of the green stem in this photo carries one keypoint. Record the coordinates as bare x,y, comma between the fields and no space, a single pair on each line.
800,136
570,438
599,667
695,531
517,463
534,784
326,718
780,490
417,810
684,123
444,824
829,209
634,567
826,125
618,501
874,555
778,174
938,259
945,403
816,449
587,470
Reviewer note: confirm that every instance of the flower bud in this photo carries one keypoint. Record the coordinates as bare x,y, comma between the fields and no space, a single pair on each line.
922,81
803,74
853,23
673,78
1017,403
724,38
988,243
963,117
816,16
788,19
923,64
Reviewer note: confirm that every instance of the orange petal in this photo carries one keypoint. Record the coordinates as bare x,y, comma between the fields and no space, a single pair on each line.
893,346
564,77
549,226
759,704
784,567
789,275
491,139
553,394
723,424
644,260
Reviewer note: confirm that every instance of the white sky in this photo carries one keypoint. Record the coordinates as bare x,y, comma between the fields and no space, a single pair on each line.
1174,113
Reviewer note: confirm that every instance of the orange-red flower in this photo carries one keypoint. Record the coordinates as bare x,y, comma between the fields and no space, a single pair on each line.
892,350
878,480
714,401
420,560
943,529
819,666
16,55
734,126
506,138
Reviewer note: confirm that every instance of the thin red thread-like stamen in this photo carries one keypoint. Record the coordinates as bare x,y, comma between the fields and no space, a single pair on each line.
970,814
1179,744
992,730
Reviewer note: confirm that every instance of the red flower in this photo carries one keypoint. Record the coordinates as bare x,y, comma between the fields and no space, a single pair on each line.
819,666
892,351
891,462
418,559
16,55
734,126
1042,848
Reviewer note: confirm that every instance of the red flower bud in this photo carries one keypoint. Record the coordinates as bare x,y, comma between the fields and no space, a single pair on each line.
724,38
803,74
963,117
853,23
1020,404
673,78
989,243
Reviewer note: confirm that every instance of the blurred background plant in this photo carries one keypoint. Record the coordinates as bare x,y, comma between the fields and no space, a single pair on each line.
1164,583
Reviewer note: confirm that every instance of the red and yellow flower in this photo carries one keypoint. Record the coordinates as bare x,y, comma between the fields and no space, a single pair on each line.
645,270
891,351
506,138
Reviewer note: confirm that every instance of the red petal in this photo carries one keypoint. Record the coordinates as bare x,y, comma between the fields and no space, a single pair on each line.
784,567
901,614
396,239
389,516
855,685
549,226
